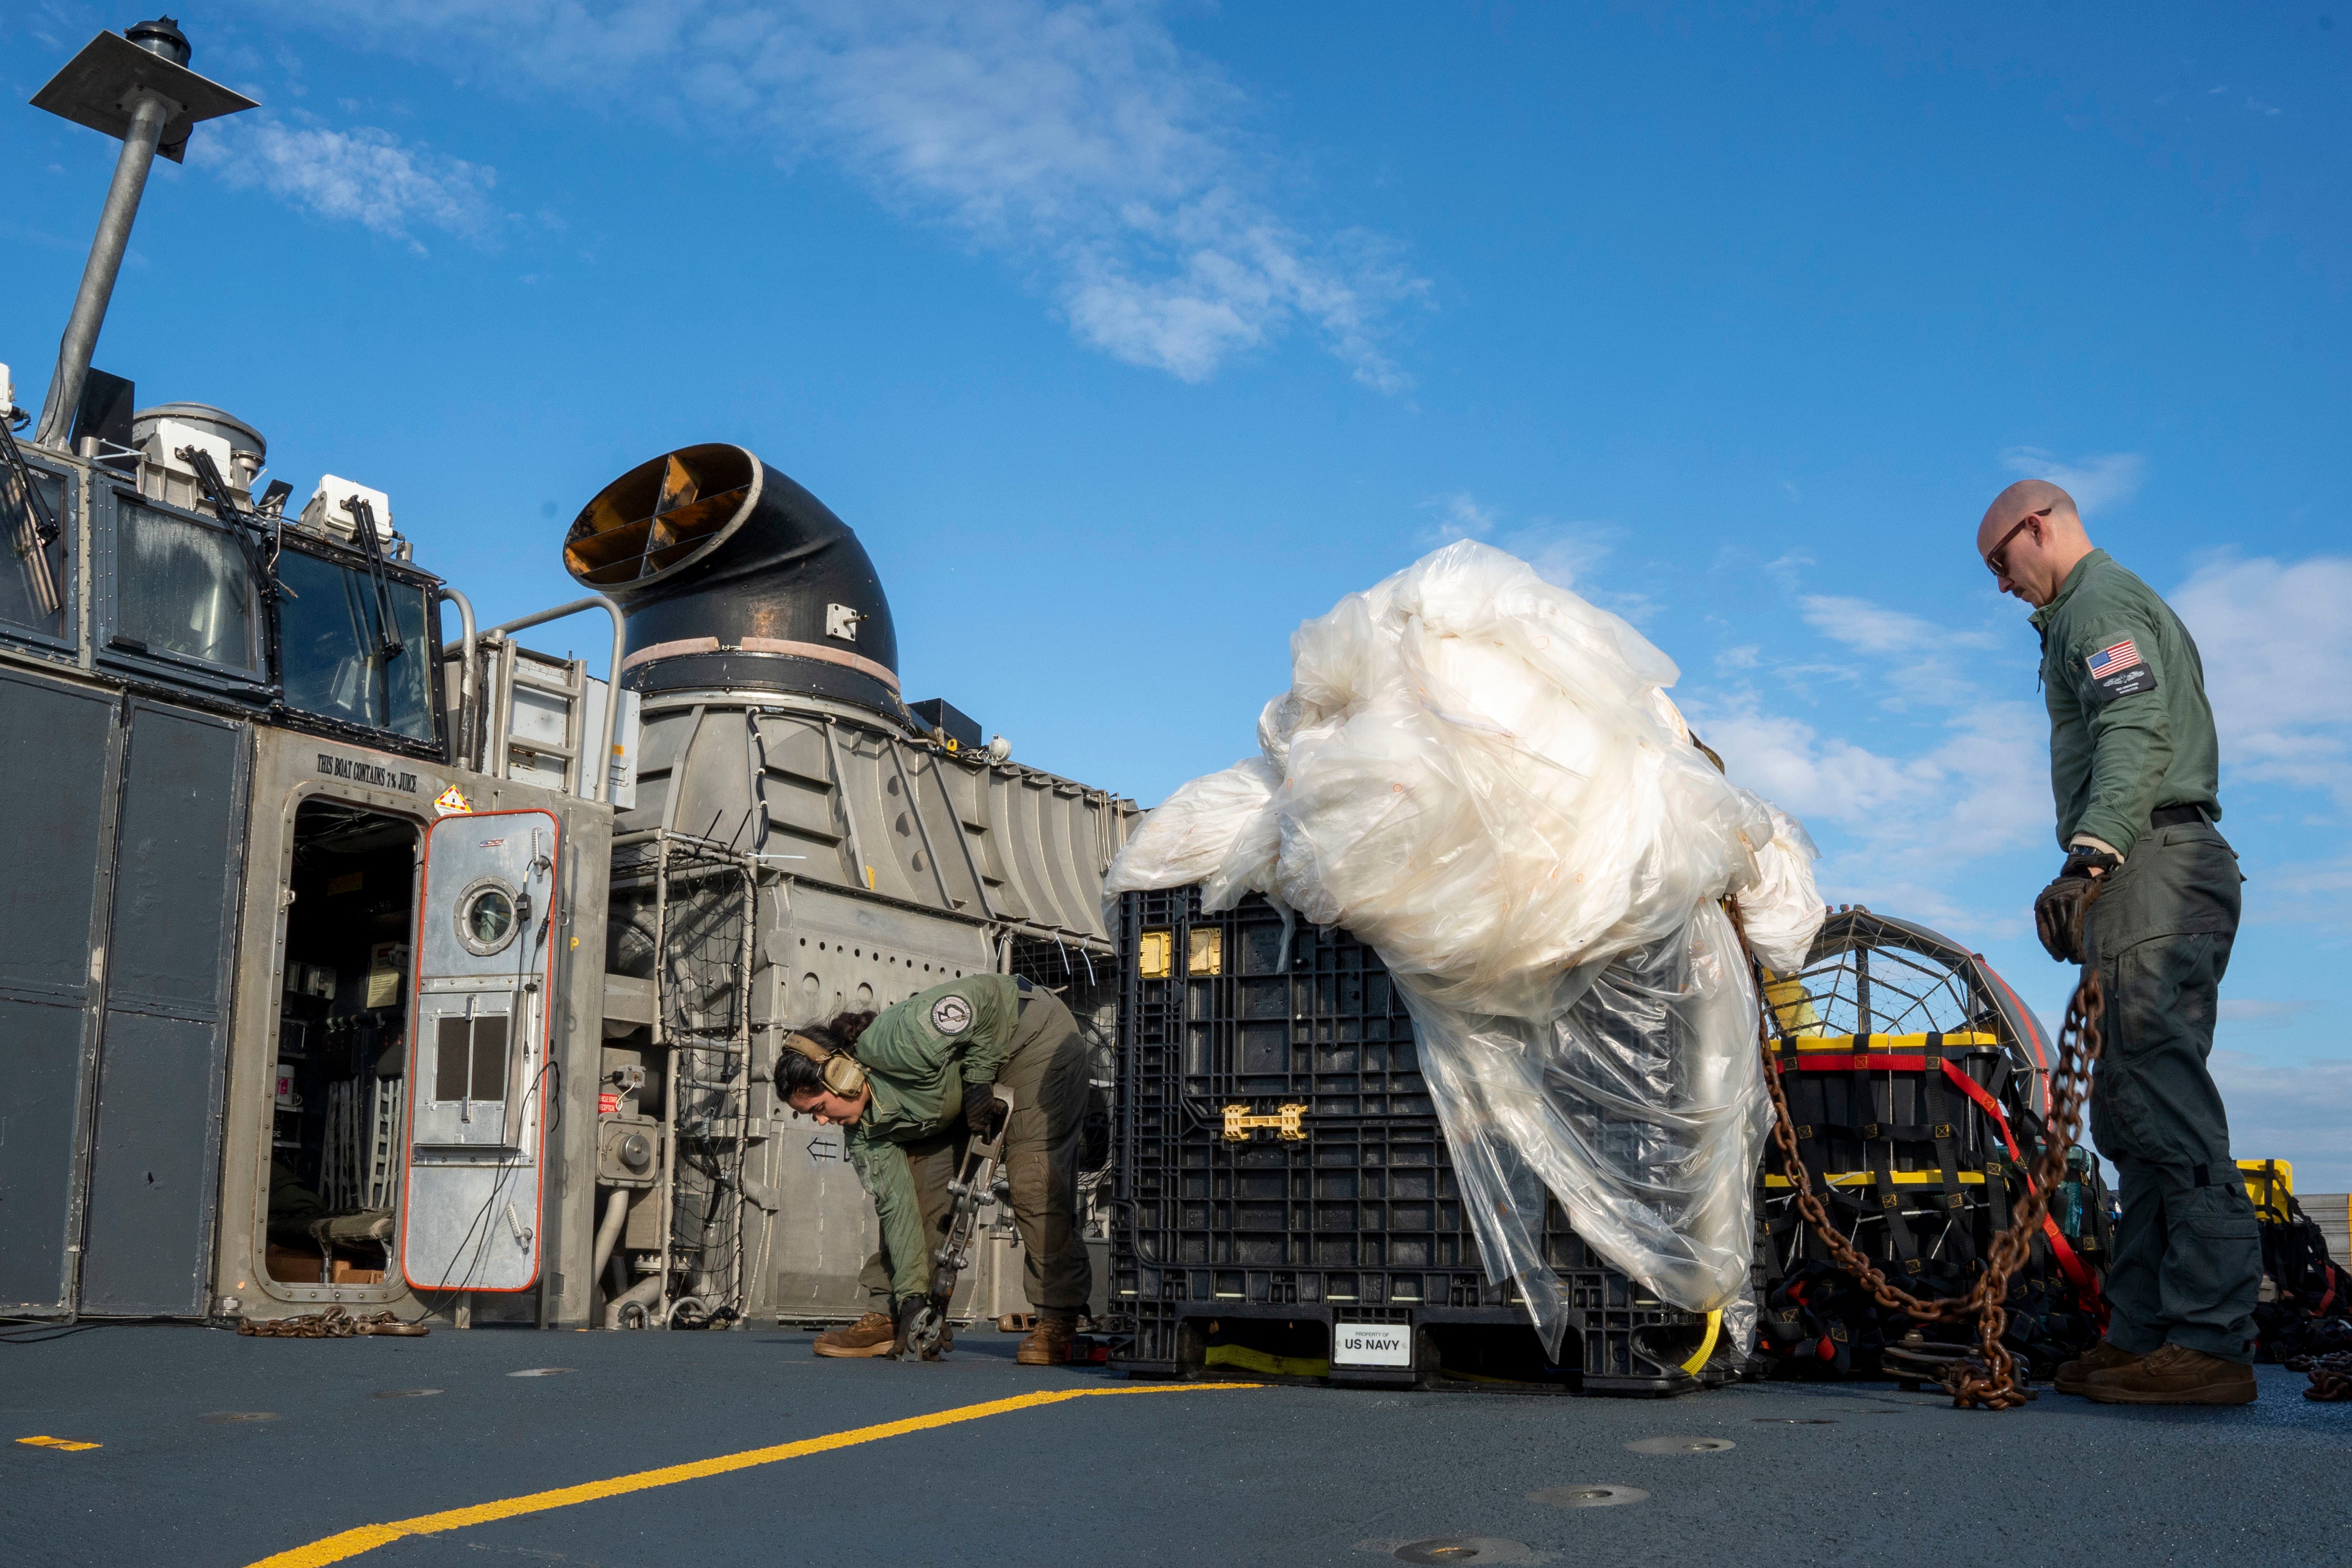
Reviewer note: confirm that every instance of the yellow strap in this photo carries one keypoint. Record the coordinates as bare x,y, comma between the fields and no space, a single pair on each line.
1264,1364
1845,1043
1706,1345
1902,1178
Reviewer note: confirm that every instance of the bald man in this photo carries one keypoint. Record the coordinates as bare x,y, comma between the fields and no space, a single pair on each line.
2135,768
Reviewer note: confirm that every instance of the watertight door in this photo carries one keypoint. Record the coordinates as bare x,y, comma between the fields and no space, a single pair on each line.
478,1073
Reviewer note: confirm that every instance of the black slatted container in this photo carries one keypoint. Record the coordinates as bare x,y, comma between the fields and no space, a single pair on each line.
1335,1203
1913,1080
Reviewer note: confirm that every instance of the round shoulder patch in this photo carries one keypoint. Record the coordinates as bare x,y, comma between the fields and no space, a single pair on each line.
951,1015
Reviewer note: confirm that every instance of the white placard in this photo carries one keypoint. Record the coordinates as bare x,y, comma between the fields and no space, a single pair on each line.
1371,1344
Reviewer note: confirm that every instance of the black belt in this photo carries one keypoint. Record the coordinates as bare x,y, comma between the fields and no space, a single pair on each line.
2176,816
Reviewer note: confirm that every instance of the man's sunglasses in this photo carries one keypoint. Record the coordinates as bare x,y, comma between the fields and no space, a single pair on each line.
1996,557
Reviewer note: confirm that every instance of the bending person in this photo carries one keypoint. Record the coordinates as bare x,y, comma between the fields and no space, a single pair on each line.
911,1083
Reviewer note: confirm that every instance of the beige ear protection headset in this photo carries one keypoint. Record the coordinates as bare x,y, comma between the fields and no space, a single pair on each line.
838,1070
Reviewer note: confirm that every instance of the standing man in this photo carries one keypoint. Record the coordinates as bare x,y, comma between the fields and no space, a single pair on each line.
2149,894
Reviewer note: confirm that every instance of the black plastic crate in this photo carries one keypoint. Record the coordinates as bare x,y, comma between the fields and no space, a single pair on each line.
1915,1170
1337,1203
1624,1350
1248,1008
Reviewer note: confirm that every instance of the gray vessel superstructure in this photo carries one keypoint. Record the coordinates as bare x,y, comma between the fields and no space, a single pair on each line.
353,958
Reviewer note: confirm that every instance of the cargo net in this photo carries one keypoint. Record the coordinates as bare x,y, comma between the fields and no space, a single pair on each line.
701,973
1087,982
1869,975
1914,1090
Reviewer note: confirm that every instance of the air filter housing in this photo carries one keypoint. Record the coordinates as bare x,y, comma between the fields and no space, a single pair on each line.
731,577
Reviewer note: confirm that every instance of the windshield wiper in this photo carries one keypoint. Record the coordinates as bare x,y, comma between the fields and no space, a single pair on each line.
35,529
388,645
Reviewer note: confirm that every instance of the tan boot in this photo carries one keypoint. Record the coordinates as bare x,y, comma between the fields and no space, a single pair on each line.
1049,1344
870,1335
2075,1376
2175,1375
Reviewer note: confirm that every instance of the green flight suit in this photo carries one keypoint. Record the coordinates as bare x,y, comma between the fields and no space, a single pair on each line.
917,1056
2131,735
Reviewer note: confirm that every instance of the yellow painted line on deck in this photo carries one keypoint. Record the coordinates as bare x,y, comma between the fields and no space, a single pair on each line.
350,1543
70,1445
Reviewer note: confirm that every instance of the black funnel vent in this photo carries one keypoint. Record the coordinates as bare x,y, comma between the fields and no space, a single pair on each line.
731,576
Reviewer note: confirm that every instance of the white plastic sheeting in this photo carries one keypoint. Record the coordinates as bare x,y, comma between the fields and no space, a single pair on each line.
1480,775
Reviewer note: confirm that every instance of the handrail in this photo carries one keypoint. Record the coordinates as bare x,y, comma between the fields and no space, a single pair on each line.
466,715
604,790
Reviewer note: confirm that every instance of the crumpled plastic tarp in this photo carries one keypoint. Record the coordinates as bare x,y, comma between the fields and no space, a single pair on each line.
1480,775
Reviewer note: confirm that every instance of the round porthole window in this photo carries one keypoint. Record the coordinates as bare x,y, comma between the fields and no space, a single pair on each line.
487,920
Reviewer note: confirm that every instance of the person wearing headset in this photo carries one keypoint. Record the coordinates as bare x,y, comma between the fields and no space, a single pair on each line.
910,1084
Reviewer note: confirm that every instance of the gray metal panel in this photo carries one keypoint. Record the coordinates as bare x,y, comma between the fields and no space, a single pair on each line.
176,863
40,1055
178,872
56,743
53,752
152,1183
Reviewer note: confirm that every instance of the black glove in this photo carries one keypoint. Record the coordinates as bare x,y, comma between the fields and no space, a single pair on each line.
2058,912
980,1108
906,1311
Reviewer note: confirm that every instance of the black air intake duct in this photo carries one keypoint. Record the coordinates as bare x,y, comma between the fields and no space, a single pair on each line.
731,576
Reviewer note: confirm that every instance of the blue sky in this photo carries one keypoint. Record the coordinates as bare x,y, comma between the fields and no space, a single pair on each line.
1128,336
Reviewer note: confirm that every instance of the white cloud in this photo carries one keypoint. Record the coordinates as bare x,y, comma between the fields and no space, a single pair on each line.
1875,629
2251,1013
1745,656
363,175
2096,482
2276,642
2298,1110
1910,825
1078,140
1461,516
1566,554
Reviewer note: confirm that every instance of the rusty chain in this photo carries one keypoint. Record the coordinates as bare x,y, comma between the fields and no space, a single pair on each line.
1989,1379
332,1323
2330,1374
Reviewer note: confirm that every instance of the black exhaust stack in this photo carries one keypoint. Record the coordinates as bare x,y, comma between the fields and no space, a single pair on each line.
732,577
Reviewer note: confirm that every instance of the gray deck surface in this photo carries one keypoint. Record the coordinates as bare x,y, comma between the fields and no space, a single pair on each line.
1272,1475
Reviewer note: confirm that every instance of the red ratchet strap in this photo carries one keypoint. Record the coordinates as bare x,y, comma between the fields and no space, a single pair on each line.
1874,1061
1889,1061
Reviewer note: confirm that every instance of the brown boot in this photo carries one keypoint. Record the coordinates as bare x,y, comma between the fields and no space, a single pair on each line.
2175,1375
2075,1376
1049,1344
870,1335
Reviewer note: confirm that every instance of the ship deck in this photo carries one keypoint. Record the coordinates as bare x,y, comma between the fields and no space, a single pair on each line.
216,1451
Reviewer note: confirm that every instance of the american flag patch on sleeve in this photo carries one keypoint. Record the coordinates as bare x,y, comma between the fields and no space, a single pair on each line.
2118,671
2113,659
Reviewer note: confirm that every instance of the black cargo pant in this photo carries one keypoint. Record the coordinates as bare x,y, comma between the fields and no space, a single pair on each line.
2187,1257
1047,1071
